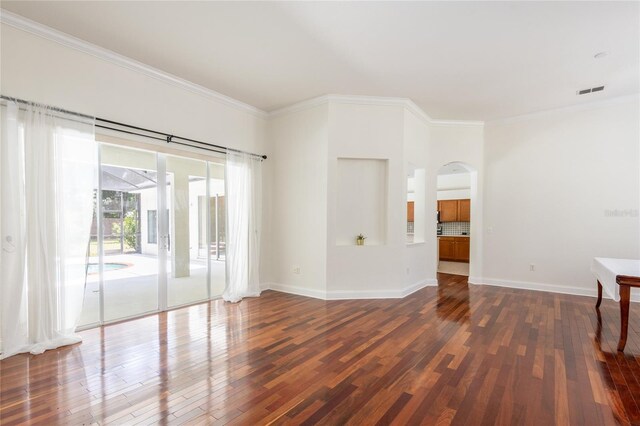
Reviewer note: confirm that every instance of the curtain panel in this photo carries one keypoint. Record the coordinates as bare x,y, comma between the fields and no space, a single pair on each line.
48,177
243,189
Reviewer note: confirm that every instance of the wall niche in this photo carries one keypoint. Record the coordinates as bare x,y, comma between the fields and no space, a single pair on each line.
362,201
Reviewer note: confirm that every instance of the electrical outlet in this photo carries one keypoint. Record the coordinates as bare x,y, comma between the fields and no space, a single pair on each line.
532,267
296,270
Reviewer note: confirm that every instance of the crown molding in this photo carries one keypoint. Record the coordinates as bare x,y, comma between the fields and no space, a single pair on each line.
457,123
572,108
40,30
300,106
373,100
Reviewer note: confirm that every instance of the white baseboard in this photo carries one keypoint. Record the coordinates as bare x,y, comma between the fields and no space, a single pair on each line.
351,294
399,294
551,288
300,291
475,280
428,282
265,286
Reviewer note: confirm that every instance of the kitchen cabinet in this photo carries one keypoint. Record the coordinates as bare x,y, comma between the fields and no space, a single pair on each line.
455,210
454,249
448,210
410,211
461,249
464,210
446,248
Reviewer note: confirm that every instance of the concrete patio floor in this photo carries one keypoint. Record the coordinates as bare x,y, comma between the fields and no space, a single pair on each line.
133,290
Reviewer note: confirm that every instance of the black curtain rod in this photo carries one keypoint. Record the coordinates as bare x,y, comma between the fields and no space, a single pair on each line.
166,137
159,139
169,138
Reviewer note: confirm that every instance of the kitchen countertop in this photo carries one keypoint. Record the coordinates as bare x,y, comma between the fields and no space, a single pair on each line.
465,236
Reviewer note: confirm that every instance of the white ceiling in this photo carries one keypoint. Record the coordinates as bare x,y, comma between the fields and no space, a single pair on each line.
456,60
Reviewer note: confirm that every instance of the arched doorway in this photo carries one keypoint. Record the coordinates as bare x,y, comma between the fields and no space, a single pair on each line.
458,209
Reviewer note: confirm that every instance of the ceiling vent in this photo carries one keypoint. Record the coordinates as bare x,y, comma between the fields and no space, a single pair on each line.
591,90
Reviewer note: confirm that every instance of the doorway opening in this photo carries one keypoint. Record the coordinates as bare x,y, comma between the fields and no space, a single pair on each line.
455,188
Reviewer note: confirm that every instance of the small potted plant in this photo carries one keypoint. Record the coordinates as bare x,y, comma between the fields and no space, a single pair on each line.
360,239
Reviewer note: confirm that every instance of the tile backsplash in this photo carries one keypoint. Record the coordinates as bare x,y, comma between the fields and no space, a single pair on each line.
455,228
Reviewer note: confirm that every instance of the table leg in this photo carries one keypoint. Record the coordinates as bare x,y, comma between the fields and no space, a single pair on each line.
625,296
599,295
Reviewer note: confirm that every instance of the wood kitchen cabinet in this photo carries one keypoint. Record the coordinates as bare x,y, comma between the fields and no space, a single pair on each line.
446,248
461,249
455,210
448,210
454,249
464,210
410,211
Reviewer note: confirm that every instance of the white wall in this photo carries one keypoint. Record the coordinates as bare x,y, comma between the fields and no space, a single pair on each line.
299,199
549,181
416,267
307,225
374,132
37,69
454,186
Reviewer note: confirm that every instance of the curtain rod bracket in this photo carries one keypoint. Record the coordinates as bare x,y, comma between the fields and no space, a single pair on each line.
169,138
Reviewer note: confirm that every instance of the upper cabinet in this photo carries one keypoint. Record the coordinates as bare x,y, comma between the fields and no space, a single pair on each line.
448,210
464,210
455,210
410,208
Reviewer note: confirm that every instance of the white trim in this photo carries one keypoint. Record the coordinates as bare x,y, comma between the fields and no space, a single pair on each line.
72,42
427,282
475,280
354,100
550,288
354,294
457,123
265,286
572,108
300,291
406,103
300,106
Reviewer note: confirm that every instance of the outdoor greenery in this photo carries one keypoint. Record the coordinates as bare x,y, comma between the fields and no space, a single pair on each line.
130,223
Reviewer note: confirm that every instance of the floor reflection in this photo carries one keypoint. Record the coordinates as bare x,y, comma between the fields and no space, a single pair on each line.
616,369
453,298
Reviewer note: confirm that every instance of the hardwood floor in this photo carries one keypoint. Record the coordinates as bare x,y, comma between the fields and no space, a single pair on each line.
446,355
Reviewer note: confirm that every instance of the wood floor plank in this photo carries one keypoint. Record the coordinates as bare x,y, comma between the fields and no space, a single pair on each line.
455,354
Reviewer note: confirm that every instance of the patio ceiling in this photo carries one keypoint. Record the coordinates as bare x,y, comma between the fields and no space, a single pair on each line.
127,180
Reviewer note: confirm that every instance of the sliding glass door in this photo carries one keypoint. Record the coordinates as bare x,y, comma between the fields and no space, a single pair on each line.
157,237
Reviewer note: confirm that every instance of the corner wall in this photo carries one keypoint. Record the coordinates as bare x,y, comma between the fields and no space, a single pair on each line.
371,132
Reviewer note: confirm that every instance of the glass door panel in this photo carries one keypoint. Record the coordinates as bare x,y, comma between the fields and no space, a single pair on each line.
217,229
130,238
187,255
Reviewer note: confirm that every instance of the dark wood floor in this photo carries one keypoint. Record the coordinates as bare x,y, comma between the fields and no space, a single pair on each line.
452,354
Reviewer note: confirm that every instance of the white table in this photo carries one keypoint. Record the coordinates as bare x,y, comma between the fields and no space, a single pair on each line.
617,276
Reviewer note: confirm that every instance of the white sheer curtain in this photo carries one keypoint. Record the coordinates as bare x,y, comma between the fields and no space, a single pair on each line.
243,190
47,180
